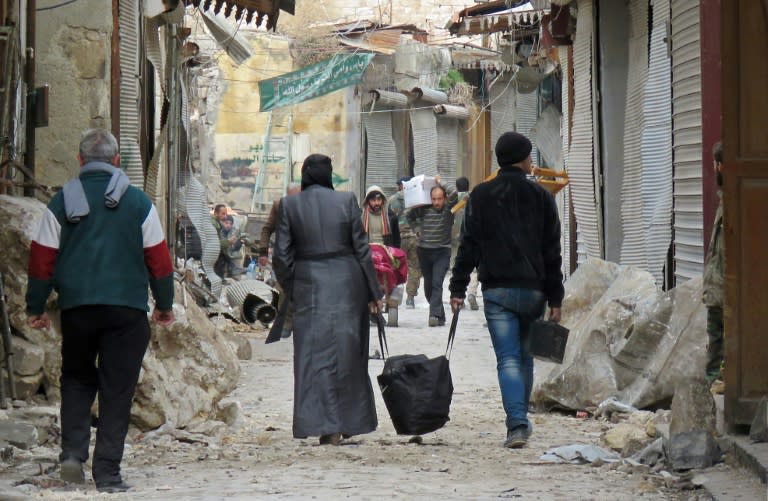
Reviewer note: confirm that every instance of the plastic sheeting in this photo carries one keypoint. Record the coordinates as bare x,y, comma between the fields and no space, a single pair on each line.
628,340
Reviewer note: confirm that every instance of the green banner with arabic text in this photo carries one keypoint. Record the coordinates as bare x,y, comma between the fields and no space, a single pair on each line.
342,70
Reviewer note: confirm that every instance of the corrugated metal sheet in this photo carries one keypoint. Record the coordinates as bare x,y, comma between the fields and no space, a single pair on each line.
198,213
152,48
130,153
226,35
686,142
633,245
448,149
526,114
657,147
424,130
564,197
381,158
580,158
502,104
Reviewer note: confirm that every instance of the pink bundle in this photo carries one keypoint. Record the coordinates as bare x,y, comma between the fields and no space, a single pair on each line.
391,266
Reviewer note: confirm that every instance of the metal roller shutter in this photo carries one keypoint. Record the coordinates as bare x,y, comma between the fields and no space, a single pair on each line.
657,147
502,113
580,159
686,140
381,158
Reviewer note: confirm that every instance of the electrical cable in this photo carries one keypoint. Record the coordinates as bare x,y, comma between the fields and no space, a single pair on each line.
51,7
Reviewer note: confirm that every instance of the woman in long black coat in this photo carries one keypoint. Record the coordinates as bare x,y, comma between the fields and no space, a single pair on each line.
323,259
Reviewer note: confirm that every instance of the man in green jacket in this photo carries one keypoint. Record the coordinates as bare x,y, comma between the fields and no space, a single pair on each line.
714,280
100,245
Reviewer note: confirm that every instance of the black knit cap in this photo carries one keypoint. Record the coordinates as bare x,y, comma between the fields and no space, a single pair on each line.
512,148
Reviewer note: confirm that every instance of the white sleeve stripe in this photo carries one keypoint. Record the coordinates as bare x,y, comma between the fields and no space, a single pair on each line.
48,231
151,229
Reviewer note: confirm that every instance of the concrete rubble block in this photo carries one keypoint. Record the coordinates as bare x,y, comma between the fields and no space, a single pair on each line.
18,434
26,386
692,442
28,358
758,432
588,374
20,216
693,449
188,368
693,407
619,436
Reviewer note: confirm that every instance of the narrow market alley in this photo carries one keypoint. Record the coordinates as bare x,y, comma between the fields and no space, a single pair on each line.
257,457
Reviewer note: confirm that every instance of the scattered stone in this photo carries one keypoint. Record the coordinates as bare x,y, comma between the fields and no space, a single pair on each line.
21,435
229,412
633,446
758,432
620,435
241,345
652,454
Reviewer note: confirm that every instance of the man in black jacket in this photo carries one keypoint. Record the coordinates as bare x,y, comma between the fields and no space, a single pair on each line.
511,233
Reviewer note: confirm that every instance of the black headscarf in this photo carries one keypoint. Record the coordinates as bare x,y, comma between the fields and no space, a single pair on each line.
317,169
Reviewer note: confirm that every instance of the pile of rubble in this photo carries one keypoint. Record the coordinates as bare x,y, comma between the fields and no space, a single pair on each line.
189,366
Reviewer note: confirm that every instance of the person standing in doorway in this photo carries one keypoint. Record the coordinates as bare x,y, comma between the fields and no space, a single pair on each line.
323,260
100,223
433,225
408,243
512,236
714,283
462,186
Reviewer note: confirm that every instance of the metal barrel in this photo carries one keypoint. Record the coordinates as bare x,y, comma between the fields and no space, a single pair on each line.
256,301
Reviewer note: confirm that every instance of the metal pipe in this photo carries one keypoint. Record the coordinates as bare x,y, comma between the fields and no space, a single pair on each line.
29,156
172,152
7,344
288,172
257,188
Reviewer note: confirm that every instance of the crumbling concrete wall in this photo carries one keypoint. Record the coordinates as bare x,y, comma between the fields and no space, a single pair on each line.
74,59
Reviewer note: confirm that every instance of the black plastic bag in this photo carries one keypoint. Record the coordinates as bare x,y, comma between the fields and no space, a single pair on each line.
417,390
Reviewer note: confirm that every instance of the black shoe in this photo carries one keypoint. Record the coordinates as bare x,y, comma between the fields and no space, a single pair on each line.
72,471
112,487
409,303
517,438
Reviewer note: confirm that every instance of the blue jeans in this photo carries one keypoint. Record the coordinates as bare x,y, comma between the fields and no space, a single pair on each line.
509,313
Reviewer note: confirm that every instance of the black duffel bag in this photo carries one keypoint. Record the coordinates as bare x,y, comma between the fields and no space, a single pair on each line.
417,390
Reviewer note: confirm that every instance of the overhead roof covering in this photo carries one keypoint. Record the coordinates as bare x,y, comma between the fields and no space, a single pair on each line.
261,9
499,15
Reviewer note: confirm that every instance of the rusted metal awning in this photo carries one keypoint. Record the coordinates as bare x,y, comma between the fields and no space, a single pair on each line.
261,9
499,15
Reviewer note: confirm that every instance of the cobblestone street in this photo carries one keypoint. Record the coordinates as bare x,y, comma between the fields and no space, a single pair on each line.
259,459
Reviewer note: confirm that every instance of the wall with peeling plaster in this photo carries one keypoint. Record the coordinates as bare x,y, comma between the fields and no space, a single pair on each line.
73,58
328,124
